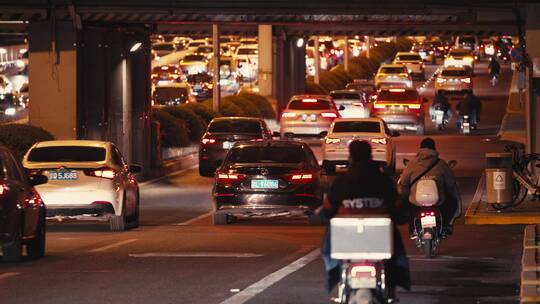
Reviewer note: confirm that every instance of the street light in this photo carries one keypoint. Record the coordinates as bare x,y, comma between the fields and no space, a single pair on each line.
135,47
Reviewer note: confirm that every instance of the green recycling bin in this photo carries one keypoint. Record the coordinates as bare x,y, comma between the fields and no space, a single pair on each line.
499,179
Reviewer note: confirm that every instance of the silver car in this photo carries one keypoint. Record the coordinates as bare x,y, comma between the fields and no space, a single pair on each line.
308,115
355,103
393,75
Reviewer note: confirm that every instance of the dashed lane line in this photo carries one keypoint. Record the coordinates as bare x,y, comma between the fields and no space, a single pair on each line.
191,221
260,286
113,245
195,255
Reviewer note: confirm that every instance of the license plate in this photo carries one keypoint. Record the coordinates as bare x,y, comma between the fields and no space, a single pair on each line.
311,117
428,221
362,282
227,144
264,184
63,175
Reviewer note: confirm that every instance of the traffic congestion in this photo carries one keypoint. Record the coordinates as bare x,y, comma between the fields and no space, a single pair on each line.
258,192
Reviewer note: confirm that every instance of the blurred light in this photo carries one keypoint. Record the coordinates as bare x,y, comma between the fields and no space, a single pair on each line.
300,42
20,64
22,51
3,51
135,47
10,111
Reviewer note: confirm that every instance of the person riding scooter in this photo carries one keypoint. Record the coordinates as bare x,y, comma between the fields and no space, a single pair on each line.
365,181
449,198
440,102
494,69
470,106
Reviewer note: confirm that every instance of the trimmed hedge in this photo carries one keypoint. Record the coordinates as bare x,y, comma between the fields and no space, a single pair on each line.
20,137
195,123
249,107
262,103
204,111
228,107
313,88
173,132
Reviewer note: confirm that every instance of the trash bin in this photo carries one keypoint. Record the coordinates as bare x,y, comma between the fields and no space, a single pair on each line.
499,179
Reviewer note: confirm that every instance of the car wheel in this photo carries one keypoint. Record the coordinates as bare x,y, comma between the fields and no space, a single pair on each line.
36,247
13,252
221,218
134,223
118,222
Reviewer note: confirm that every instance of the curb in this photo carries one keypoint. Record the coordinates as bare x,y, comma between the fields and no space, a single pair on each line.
530,270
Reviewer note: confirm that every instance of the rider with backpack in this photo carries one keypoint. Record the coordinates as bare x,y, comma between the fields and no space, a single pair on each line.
431,177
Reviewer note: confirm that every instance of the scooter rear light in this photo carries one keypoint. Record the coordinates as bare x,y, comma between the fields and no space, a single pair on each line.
363,271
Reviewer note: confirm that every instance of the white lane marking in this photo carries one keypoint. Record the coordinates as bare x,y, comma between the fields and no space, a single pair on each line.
190,221
113,245
258,287
195,255
152,181
8,275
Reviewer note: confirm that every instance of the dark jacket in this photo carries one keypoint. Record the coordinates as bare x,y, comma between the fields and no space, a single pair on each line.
366,181
494,67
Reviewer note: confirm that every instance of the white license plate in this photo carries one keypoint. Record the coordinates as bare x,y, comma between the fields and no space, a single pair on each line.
264,184
363,282
63,175
311,117
428,221
227,144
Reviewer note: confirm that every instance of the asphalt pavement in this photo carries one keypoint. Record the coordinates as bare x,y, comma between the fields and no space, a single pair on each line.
178,256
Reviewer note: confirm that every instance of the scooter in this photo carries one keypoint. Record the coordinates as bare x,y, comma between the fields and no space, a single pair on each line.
439,118
363,282
465,126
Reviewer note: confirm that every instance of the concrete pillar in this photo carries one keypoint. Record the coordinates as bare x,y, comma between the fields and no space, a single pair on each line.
532,110
368,43
317,61
215,68
265,76
346,55
53,92
290,70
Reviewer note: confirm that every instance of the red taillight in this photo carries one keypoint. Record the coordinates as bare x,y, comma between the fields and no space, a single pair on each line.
381,141
441,80
229,178
288,115
414,106
430,213
466,80
206,141
309,100
164,68
154,75
299,178
363,271
107,173
379,106
3,189
329,115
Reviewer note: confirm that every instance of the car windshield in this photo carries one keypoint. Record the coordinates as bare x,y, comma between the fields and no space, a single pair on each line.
194,44
345,95
201,77
193,58
357,127
246,51
412,57
163,47
393,70
204,49
67,154
170,93
310,104
235,126
268,154
397,95
454,73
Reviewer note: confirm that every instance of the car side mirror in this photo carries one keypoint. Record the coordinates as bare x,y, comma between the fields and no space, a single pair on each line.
135,168
323,134
38,179
341,108
396,134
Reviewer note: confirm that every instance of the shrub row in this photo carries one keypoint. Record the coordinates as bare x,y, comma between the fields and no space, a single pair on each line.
359,67
20,137
185,124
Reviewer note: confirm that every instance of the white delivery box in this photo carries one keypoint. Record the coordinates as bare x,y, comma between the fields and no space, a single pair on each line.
361,238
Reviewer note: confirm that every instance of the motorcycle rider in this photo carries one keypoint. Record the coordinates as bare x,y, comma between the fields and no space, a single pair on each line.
471,106
494,68
449,197
441,101
365,179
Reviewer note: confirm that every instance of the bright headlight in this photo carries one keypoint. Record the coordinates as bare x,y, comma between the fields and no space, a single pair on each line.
19,63
10,111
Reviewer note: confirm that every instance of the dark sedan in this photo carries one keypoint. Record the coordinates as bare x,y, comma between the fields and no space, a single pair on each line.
22,212
220,136
267,178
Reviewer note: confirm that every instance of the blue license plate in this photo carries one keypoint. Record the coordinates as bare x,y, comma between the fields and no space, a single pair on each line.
264,184
63,175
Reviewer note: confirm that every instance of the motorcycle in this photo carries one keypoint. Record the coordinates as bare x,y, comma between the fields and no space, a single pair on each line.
426,226
363,277
439,117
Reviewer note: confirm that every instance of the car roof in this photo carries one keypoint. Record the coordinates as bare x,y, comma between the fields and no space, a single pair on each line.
271,143
237,118
392,66
326,97
397,88
376,119
461,50
454,68
174,85
76,143
406,53
345,91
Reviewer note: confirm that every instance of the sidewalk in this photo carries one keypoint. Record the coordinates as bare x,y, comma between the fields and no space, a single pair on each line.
530,265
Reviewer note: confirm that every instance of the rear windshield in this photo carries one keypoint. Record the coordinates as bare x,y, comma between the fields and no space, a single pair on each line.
357,127
204,49
163,47
164,69
411,57
194,58
345,96
193,44
467,40
310,104
67,154
235,126
396,70
266,155
454,73
166,94
397,96
361,87
460,53
245,51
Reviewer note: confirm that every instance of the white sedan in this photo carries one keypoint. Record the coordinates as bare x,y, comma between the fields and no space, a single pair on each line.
344,130
88,180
